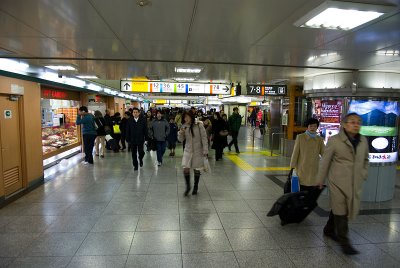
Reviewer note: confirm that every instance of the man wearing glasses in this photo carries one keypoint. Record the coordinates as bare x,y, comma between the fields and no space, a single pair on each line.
345,164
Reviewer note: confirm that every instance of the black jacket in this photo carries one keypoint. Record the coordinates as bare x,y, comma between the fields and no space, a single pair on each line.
123,125
136,132
101,123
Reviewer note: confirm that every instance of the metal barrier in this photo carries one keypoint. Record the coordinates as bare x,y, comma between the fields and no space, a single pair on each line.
272,145
254,129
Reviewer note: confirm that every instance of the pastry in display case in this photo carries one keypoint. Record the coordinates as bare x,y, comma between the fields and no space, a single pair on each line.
55,138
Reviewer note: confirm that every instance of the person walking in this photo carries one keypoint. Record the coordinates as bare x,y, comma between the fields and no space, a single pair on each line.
345,164
235,121
89,133
159,130
172,136
116,134
100,142
123,126
196,150
208,126
220,133
136,134
108,127
308,149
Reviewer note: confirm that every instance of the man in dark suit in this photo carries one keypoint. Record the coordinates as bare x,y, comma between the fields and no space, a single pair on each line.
136,134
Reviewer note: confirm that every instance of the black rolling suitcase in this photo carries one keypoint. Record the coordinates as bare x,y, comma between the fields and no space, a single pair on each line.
295,207
112,143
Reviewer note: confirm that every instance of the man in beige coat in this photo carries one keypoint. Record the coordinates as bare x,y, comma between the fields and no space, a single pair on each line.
345,164
306,155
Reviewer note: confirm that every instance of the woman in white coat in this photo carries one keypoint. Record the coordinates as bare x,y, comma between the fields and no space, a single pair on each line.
196,149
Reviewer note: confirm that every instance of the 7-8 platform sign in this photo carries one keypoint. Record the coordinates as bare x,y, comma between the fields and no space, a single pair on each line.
266,90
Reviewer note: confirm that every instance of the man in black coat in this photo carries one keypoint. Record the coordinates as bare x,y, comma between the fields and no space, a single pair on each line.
136,134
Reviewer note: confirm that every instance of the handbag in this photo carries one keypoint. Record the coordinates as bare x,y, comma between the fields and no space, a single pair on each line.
207,167
116,129
287,188
223,133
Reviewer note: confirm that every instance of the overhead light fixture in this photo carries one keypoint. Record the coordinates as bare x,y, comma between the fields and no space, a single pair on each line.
61,67
87,76
388,53
184,79
312,58
13,65
94,87
341,15
188,70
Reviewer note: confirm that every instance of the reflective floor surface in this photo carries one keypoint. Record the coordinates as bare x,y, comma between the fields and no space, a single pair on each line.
107,215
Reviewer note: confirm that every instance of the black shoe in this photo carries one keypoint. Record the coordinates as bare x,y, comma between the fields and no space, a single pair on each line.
237,152
349,250
141,163
331,235
229,147
135,168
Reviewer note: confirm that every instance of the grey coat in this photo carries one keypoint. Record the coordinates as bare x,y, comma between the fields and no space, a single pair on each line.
159,129
196,146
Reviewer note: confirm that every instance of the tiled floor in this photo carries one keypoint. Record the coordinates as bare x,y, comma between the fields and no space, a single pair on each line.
107,215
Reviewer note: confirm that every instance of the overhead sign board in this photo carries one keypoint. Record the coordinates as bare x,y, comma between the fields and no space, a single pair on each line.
266,90
178,88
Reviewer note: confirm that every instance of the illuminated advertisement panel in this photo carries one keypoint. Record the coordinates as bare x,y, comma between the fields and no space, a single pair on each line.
379,119
328,113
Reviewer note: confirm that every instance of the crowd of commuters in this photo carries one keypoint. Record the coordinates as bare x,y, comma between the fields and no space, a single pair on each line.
158,129
343,162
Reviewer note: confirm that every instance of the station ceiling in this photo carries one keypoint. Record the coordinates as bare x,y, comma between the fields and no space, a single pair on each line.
232,40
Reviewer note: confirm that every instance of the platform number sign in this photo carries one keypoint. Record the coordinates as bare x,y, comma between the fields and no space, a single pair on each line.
254,90
266,90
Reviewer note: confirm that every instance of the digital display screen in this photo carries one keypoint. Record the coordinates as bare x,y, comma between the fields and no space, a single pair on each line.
379,126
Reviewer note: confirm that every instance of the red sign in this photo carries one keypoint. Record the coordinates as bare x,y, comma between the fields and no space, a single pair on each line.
54,94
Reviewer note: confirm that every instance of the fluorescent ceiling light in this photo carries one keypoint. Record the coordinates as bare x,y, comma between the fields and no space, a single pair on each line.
312,58
13,65
61,67
94,87
388,53
341,15
184,79
188,70
87,76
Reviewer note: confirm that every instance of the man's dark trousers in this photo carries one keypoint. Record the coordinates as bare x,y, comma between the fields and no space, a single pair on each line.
137,148
234,141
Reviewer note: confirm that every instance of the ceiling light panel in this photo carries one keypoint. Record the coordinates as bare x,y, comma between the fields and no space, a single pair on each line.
185,79
61,67
342,15
388,53
188,70
87,76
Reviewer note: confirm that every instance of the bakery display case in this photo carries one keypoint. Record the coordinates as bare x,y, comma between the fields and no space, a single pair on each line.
59,139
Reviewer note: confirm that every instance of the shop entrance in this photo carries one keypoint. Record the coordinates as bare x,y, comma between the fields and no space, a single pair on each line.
10,137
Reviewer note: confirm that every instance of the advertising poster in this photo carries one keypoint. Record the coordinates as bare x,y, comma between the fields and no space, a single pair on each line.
379,119
328,113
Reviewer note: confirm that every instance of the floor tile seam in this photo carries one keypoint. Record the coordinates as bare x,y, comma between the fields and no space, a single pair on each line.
180,227
223,228
39,234
364,237
285,250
